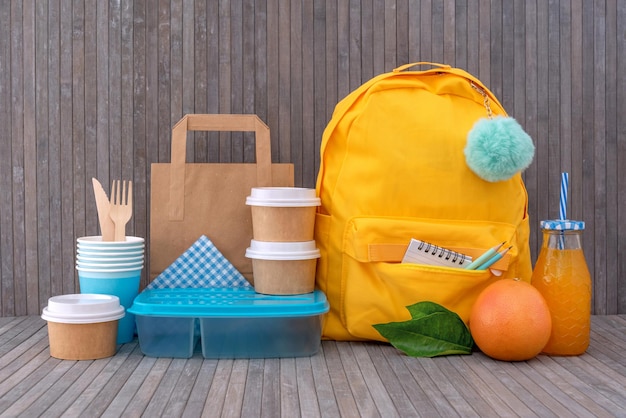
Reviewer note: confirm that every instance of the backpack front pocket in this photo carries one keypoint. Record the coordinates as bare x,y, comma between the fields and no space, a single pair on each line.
376,287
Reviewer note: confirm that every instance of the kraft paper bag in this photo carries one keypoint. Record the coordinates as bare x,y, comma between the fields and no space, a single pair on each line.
189,200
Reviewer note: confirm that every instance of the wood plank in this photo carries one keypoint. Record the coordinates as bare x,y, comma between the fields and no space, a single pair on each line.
27,362
531,174
449,26
368,26
29,182
108,385
187,68
283,95
137,169
339,379
319,79
621,150
248,73
481,398
508,63
289,402
426,32
233,399
427,385
54,151
180,391
397,379
271,387
307,390
323,385
90,78
295,97
6,197
462,37
448,388
224,83
42,156
510,385
104,385
599,151
198,396
18,397
380,396
78,384
235,73
611,159
157,388
473,37
309,145
141,216
503,397
20,336
68,278
484,41
137,390
577,385
217,392
362,397
253,391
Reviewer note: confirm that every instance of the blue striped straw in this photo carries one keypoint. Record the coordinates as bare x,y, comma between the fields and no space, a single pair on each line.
563,205
563,200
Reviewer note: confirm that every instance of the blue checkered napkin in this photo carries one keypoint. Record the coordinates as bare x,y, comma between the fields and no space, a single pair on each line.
202,265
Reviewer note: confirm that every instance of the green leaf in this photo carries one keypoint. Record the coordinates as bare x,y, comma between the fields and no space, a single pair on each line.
421,309
432,331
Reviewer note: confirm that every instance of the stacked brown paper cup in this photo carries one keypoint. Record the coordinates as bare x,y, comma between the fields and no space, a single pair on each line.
283,251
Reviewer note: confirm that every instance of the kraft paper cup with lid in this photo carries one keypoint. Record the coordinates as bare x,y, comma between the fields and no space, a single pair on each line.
283,214
82,326
283,268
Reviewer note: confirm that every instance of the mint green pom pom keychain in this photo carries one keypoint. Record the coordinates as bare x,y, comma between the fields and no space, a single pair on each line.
497,147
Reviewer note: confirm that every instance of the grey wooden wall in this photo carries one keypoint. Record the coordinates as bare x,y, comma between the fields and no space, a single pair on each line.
92,89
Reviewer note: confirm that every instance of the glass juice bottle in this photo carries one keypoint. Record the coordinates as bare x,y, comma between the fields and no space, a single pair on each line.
562,277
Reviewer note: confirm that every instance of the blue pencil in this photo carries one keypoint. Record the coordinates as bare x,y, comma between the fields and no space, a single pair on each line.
484,257
493,259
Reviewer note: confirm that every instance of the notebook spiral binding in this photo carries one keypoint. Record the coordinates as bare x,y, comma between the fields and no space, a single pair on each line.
422,252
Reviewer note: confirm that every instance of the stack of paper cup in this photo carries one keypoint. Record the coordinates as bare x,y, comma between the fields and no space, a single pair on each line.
112,268
283,251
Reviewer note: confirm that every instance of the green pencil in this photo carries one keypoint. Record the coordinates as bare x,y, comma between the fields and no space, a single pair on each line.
486,256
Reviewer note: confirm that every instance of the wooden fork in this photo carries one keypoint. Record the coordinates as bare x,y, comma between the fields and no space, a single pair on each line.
121,208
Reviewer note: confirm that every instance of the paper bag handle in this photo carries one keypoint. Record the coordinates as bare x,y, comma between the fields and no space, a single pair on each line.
224,123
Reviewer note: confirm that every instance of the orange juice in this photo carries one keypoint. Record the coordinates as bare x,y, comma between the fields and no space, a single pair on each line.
562,277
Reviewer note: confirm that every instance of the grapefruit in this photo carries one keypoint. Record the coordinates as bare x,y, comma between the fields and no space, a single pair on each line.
510,321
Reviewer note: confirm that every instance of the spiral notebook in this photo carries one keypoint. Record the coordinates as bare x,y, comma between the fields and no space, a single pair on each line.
421,252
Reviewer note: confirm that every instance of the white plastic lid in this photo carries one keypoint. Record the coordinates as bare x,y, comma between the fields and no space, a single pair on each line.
84,308
282,197
265,250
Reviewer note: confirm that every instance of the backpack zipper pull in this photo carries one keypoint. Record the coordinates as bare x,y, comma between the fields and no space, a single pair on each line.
485,99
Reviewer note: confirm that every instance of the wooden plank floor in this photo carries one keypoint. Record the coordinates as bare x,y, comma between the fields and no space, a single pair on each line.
343,379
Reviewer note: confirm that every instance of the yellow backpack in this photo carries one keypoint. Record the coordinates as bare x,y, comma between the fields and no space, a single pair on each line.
393,168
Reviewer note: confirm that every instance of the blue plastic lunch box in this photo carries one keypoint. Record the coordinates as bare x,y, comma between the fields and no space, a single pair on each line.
230,323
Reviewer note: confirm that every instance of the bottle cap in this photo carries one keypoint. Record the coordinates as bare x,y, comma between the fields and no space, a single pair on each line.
563,225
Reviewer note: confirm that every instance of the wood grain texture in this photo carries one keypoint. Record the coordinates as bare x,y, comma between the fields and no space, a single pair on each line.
94,88
341,379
